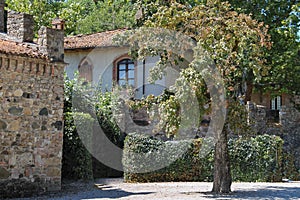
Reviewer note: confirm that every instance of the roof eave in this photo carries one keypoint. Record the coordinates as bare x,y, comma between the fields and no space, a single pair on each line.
95,47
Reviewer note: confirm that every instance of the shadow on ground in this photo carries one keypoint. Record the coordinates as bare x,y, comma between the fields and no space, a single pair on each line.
266,192
84,190
269,192
116,189
110,194
97,191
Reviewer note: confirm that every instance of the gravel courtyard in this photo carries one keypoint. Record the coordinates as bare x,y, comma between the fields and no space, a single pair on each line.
107,189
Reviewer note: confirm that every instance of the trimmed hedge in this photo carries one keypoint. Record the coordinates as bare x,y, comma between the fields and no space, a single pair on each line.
77,161
257,158
253,159
187,168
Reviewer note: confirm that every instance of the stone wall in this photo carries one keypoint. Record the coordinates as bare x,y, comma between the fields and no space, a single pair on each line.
264,99
31,121
256,116
287,128
289,116
52,43
20,26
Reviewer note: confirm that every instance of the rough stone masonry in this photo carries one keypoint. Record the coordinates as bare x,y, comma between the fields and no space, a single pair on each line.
31,109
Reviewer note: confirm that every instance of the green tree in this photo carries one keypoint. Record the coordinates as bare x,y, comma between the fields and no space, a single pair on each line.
74,12
108,15
235,43
147,8
44,11
283,19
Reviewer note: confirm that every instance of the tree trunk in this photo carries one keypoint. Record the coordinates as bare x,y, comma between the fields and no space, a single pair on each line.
249,85
248,91
222,176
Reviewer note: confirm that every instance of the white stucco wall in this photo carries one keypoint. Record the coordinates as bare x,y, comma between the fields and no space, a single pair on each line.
102,60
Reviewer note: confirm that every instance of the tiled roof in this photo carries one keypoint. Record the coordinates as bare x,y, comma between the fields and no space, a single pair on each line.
103,39
14,47
21,49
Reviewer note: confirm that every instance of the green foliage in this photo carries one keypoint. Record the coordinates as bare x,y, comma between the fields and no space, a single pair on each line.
77,161
181,108
108,15
81,96
289,169
283,18
237,117
44,11
164,108
87,105
257,158
147,8
104,108
73,12
169,116
187,168
235,43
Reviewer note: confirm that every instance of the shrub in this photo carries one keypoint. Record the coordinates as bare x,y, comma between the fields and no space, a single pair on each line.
253,159
290,171
88,104
77,161
104,105
257,158
189,167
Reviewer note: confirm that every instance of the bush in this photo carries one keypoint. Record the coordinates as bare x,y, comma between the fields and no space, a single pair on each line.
88,104
290,170
189,167
104,106
253,159
256,159
77,161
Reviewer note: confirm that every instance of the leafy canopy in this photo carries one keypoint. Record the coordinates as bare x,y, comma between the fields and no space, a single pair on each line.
235,42
108,15
81,16
44,11
283,19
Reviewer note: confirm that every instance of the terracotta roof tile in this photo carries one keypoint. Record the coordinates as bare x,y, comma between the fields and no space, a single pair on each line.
103,39
21,49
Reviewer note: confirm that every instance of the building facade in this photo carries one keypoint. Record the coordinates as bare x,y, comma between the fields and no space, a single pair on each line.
100,61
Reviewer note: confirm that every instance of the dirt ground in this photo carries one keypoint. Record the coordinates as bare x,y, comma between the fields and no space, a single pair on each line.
107,189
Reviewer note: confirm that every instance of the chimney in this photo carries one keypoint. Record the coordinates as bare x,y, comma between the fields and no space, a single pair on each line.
58,24
2,16
52,41
20,26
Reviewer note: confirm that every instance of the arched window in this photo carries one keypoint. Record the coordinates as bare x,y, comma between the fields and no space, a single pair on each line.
85,69
124,72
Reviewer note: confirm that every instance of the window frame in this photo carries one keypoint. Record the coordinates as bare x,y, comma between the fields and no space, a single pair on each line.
116,70
276,103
